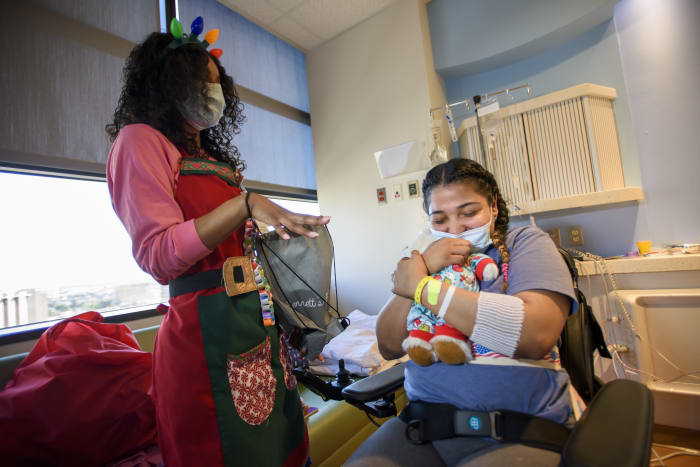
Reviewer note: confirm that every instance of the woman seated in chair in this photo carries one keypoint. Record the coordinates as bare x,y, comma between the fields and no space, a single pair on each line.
513,323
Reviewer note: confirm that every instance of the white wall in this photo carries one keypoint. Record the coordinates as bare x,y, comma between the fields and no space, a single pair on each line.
369,89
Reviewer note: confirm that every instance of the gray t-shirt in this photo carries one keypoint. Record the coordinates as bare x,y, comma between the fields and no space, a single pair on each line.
534,263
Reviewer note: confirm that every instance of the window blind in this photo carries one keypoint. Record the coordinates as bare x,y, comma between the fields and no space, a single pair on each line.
275,144
61,78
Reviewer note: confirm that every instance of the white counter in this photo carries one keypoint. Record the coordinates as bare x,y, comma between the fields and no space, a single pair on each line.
633,265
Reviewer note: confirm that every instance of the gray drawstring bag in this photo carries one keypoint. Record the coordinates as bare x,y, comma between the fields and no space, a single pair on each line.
299,272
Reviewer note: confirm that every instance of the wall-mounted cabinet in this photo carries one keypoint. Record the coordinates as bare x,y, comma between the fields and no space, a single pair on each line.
553,152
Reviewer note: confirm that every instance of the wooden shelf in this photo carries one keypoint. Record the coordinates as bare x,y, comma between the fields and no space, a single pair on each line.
600,198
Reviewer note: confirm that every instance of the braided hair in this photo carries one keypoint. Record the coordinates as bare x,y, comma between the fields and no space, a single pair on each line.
484,183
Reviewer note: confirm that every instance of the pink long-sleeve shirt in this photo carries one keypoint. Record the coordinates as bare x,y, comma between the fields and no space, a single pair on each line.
142,172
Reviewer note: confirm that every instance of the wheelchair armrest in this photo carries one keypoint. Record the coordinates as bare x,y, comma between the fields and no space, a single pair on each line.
616,428
325,389
375,386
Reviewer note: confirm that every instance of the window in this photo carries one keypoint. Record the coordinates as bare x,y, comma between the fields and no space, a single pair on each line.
301,207
63,251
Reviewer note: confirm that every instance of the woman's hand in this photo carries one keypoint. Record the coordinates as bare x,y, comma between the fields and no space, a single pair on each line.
408,274
275,215
445,252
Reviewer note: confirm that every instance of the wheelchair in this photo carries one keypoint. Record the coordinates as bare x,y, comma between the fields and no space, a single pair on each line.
615,429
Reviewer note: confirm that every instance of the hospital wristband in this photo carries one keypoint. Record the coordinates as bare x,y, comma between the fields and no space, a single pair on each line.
434,287
446,301
419,289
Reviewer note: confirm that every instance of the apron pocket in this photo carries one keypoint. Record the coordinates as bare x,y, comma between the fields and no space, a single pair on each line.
286,360
252,383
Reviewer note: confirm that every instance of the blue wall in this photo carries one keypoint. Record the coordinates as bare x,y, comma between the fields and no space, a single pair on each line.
650,54
660,51
463,29
593,57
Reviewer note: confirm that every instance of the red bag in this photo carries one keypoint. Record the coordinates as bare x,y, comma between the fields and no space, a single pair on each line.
81,397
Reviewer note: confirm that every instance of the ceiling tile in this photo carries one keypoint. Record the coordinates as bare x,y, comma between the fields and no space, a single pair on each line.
328,18
292,31
257,10
286,5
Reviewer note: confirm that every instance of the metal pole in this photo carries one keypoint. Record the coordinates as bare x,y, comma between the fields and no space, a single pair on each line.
477,105
171,11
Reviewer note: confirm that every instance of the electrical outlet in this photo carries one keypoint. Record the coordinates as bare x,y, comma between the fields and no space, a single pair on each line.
381,195
576,235
555,233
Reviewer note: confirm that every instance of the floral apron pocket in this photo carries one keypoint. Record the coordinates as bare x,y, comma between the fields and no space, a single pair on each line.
286,360
252,383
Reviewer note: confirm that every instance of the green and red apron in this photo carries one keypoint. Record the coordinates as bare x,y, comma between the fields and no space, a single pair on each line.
223,388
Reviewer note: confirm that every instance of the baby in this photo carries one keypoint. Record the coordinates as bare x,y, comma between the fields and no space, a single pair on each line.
429,337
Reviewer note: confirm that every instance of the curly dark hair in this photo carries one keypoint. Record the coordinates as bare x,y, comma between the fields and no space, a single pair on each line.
483,181
156,79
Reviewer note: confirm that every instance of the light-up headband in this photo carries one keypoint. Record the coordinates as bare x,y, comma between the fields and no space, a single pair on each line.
196,29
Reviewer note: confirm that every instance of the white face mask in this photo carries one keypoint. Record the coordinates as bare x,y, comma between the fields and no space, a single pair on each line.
480,237
204,112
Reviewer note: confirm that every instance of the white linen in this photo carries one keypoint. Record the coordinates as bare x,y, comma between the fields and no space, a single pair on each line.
357,345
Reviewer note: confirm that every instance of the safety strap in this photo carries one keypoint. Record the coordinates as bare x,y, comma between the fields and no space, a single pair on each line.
429,422
199,281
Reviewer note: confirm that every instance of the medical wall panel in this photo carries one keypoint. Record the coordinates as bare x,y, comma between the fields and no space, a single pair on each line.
563,164
553,146
506,158
603,134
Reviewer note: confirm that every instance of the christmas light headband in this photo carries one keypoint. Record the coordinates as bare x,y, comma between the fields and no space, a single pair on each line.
196,29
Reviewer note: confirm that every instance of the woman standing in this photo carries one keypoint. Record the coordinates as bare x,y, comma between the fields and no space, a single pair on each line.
222,389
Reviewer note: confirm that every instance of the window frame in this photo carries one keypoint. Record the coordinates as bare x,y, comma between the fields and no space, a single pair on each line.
32,331
280,191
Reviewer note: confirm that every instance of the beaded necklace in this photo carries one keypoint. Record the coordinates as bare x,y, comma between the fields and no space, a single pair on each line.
268,311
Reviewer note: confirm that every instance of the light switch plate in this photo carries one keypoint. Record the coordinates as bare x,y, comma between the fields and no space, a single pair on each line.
555,234
413,189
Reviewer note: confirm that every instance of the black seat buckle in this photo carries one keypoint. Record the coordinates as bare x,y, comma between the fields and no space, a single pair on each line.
472,423
415,432
496,425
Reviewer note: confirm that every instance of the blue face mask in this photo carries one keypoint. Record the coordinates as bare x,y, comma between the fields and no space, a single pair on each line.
480,237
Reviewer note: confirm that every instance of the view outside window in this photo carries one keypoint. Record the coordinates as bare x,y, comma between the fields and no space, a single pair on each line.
301,207
63,251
